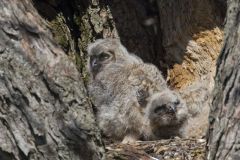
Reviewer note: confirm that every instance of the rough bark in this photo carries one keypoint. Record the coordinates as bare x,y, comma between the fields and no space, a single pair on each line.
224,131
42,91
44,110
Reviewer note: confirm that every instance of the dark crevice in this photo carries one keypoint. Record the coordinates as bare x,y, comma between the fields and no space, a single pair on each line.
231,87
18,96
69,10
221,7
30,30
51,87
76,142
217,145
72,102
46,9
39,140
236,96
21,154
36,97
66,7
220,57
227,79
46,82
232,144
11,36
6,155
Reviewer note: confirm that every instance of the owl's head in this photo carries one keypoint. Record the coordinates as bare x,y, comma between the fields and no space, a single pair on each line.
104,52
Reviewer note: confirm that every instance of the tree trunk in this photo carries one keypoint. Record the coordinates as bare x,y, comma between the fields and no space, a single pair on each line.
224,132
44,110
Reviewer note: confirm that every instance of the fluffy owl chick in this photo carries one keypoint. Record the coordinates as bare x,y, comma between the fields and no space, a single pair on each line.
131,97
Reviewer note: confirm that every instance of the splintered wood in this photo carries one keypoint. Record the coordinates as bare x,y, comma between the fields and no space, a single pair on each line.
171,149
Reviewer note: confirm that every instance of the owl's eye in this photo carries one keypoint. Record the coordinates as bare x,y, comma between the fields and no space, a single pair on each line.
104,56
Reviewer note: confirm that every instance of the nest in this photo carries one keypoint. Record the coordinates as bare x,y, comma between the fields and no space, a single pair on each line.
170,149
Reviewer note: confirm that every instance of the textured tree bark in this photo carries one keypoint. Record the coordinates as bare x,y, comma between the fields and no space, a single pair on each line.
224,132
44,110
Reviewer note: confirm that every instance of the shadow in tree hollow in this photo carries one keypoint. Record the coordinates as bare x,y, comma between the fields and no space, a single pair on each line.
159,31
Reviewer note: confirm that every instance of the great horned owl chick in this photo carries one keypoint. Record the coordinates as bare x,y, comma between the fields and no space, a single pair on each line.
131,97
